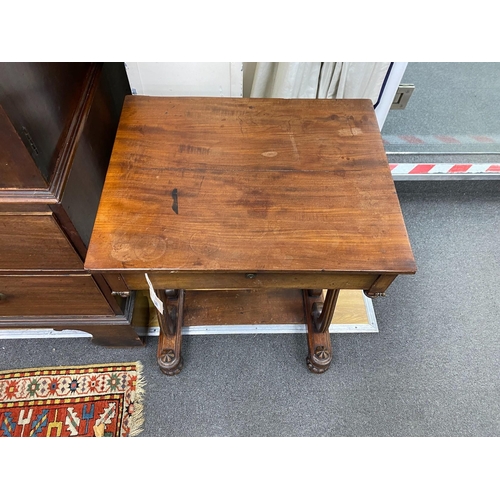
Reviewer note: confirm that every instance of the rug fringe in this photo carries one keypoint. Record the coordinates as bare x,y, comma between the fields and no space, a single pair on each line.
137,418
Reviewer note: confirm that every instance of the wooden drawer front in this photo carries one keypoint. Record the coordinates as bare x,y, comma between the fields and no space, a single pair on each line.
50,296
237,281
35,242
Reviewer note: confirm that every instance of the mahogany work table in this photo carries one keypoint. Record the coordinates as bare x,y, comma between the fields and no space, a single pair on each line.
233,193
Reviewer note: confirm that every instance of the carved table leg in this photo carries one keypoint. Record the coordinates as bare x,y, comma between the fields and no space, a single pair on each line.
318,317
170,339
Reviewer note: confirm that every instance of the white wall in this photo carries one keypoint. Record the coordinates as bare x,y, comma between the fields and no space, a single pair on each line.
207,79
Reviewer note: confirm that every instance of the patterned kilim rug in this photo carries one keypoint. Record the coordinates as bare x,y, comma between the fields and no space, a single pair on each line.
96,400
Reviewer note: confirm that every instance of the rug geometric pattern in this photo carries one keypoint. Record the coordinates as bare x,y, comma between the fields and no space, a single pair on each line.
98,400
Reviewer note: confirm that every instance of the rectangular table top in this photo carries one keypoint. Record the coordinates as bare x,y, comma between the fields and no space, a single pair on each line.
255,185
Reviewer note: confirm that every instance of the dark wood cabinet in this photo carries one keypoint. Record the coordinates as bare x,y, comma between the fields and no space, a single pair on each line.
57,127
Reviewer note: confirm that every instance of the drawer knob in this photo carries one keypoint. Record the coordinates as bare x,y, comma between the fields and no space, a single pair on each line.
3,296
250,276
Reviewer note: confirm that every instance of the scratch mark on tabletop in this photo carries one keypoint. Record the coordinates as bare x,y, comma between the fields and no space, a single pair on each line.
294,145
353,130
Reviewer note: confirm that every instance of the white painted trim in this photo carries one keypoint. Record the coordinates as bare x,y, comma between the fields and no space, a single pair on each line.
391,86
134,78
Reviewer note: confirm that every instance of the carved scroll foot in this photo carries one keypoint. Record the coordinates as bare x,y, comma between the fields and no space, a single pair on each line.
320,361
318,317
169,363
169,342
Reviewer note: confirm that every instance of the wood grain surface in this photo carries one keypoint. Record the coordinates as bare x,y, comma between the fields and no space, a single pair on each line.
45,295
34,242
213,280
252,185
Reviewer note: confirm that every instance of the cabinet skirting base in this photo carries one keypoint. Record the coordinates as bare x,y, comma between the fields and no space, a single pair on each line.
112,331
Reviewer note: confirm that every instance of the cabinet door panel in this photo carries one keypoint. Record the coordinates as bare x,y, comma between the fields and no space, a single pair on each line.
17,168
40,99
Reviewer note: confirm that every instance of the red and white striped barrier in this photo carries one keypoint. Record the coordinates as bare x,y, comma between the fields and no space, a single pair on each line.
441,169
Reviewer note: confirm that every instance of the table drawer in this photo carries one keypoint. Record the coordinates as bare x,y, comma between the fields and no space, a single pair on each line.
34,242
236,281
50,296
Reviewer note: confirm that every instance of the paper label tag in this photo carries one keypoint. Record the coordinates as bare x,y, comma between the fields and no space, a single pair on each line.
155,299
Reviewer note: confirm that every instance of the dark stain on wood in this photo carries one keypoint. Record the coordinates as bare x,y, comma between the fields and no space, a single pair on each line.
183,148
175,204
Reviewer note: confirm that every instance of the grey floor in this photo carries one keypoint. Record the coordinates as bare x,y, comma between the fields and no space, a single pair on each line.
434,367
457,99
432,370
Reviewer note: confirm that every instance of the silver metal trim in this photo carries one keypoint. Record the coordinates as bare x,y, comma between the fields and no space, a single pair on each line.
370,312
439,153
261,329
41,333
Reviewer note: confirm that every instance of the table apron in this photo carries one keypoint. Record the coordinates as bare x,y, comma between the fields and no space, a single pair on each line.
237,281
